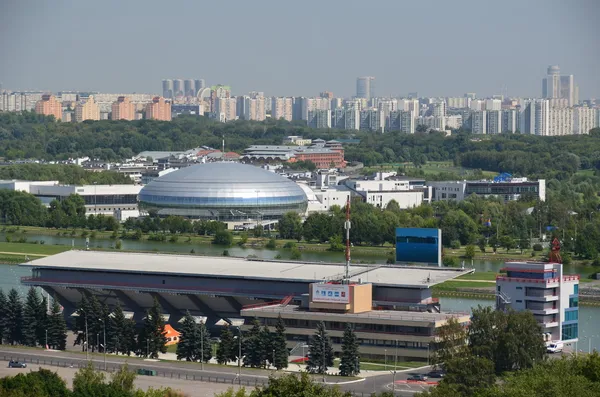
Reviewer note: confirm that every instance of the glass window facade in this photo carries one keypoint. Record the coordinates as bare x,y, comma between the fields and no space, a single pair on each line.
569,331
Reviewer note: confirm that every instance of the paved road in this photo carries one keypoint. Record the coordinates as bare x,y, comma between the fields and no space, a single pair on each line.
181,371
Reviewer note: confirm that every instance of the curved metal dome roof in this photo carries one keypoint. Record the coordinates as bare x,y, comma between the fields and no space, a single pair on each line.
222,185
223,172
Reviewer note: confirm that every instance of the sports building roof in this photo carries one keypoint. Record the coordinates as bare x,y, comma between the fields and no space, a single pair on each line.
230,267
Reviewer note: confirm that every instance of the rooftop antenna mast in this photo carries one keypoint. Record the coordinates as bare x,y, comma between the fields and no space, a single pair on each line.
347,227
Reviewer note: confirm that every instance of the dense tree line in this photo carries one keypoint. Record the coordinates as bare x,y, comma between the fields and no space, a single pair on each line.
28,135
64,173
31,322
502,354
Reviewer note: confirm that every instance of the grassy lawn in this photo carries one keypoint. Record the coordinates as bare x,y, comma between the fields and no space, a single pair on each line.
487,276
32,249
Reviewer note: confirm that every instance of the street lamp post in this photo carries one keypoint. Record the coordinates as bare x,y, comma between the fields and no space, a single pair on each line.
104,337
385,360
46,339
273,362
239,356
87,343
201,347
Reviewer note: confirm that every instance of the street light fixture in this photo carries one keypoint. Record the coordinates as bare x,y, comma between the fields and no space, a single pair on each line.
239,355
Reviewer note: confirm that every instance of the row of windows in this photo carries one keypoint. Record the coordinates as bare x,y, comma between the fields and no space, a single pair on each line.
570,331
571,315
359,327
389,344
223,201
416,240
534,276
573,301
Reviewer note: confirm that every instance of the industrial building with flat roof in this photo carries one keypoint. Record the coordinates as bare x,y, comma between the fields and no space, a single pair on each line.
217,287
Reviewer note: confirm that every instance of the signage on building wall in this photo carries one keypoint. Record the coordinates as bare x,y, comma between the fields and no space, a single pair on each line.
331,293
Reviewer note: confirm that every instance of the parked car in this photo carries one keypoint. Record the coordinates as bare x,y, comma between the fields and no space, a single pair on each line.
555,347
16,364
418,377
436,374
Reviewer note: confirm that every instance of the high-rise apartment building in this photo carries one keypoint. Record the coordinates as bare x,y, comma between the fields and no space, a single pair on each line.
198,85
365,87
454,121
457,103
178,88
309,104
534,117
400,120
584,119
372,120
345,119
87,110
15,102
225,109
167,88
218,91
253,108
49,106
410,105
319,118
560,121
281,108
493,104
478,121
494,121
158,109
122,109
336,103
189,87
555,85
510,120
326,94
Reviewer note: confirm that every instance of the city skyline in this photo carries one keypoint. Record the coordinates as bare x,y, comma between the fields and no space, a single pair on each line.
294,39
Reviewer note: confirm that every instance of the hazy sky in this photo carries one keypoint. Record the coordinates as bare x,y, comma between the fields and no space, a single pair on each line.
302,47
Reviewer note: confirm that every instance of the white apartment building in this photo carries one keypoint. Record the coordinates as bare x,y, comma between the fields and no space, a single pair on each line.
410,105
281,108
584,119
477,105
543,289
454,121
347,119
319,118
254,108
508,190
380,193
494,121
372,120
560,121
479,122
458,102
510,120
312,104
15,102
225,109
493,104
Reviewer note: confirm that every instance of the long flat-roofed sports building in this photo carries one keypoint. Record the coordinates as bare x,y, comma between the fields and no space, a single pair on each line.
219,288
223,191
119,201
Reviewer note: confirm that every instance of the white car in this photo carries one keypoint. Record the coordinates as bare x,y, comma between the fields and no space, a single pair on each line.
554,347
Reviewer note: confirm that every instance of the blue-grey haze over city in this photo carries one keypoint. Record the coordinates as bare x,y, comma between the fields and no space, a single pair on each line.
435,48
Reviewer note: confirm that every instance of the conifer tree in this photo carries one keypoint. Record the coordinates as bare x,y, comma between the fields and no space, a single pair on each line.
3,316
57,328
30,317
151,339
42,320
279,345
267,350
226,351
350,360
129,337
14,318
188,347
206,344
253,346
321,351
116,329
